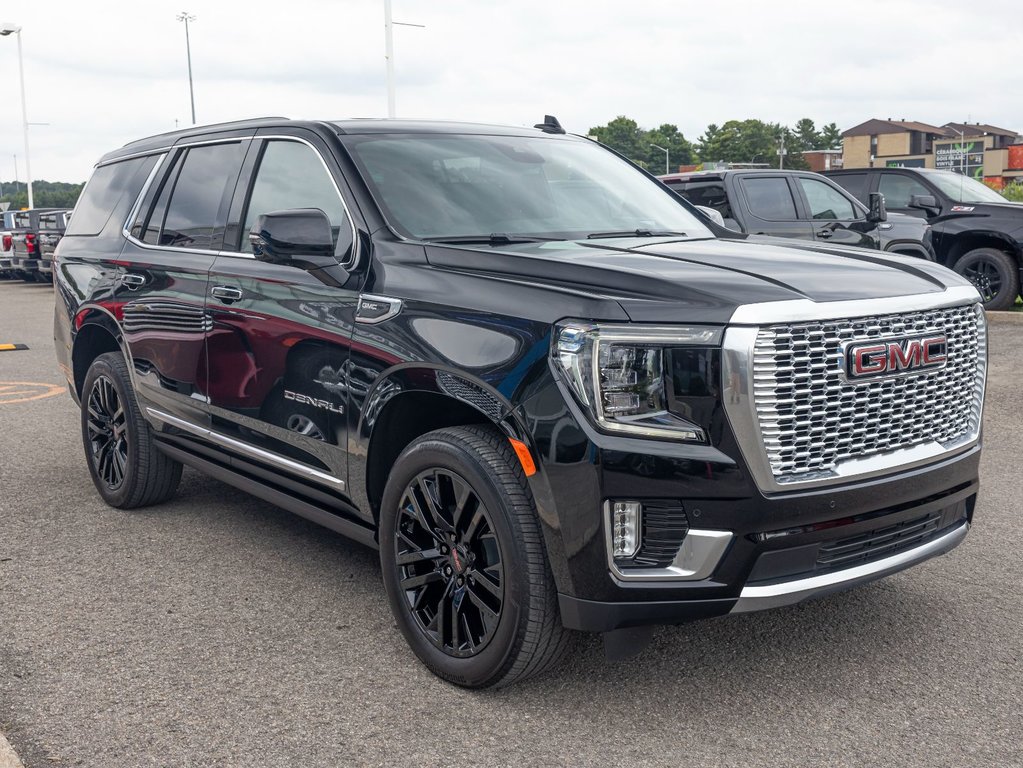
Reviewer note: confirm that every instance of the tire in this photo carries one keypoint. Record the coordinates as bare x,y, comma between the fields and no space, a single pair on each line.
127,468
994,273
496,580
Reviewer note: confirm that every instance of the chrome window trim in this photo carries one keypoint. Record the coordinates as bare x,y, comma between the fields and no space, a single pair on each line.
756,598
347,264
697,557
737,366
797,310
295,467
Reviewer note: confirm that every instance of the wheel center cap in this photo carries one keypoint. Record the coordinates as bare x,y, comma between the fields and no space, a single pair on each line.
460,559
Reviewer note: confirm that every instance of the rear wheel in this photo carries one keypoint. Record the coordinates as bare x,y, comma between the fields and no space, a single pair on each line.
126,466
994,273
464,562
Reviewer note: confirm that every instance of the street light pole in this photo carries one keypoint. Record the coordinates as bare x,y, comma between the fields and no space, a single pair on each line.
666,156
186,17
389,25
8,29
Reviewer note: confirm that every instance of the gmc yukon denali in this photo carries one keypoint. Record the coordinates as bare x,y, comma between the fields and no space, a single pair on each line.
550,394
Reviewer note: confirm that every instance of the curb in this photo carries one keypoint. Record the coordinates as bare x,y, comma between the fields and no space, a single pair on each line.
8,757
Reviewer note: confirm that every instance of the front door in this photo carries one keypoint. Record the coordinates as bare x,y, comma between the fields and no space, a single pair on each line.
280,335
834,216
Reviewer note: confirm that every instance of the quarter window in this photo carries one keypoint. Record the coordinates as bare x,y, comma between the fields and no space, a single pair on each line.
825,201
292,175
770,199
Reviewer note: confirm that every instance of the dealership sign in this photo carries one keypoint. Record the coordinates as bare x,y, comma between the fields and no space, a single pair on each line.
960,156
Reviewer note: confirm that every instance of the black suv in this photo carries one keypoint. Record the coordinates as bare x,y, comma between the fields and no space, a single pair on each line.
525,370
976,231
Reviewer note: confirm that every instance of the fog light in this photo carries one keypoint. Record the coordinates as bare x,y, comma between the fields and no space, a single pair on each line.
625,530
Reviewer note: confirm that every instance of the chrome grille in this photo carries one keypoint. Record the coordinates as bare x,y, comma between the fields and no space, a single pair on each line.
811,418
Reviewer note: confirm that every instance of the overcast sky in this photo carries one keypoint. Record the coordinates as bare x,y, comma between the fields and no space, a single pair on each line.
102,73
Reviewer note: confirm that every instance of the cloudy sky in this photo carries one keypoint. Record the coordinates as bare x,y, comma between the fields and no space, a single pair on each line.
104,72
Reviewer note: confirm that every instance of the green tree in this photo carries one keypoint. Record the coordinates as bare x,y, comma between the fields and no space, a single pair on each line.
680,151
45,194
740,141
805,135
623,135
830,137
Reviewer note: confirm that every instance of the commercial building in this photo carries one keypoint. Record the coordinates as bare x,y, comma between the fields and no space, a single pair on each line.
983,151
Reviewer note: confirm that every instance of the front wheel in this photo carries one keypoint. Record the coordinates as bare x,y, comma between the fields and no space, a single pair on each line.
994,273
127,468
464,562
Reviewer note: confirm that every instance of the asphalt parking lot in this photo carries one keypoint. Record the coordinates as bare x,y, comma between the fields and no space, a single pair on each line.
217,630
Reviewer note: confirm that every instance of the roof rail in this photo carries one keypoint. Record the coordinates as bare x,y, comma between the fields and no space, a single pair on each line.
185,131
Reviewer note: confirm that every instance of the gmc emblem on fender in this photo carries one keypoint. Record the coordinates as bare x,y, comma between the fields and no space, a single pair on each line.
891,356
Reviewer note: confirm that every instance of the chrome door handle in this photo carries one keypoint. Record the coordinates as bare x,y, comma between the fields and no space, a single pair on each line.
130,280
825,233
226,293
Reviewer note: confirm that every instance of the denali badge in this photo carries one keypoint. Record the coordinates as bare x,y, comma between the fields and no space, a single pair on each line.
315,402
890,356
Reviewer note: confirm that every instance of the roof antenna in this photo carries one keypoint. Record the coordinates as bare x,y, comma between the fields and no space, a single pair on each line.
550,124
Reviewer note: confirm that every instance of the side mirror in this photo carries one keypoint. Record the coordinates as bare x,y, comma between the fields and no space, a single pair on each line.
878,212
300,237
711,214
928,203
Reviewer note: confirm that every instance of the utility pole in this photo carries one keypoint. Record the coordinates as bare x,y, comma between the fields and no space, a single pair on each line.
186,17
781,151
11,29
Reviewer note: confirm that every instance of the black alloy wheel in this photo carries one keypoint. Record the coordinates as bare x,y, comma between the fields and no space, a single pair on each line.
449,561
464,562
127,467
993,273
107,427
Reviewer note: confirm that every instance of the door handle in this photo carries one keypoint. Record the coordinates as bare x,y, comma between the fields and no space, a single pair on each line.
130,280
824,234
226,293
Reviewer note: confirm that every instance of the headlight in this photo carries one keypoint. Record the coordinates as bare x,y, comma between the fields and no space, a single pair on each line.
618,373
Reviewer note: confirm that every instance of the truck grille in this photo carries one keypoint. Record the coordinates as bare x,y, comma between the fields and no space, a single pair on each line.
811,418
877,544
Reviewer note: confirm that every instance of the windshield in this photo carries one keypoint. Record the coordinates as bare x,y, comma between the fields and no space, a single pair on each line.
447,186
963,189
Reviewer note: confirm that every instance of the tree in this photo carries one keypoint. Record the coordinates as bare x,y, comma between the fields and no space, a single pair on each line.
740,141
45,194
680,151
830,137
623,135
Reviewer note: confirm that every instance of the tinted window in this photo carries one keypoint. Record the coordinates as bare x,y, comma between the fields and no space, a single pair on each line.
710,194
291,175
855,184
825,201
193,198
897,189
107,187
770,199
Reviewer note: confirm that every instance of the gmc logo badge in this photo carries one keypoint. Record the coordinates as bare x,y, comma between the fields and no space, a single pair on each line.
890,356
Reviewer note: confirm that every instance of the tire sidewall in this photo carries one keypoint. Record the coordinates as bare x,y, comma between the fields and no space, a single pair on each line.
489,665
106,365
1007,272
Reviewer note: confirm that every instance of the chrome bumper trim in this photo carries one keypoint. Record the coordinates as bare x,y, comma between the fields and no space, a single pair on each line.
788,592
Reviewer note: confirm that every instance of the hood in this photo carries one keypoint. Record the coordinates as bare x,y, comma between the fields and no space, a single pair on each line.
670,280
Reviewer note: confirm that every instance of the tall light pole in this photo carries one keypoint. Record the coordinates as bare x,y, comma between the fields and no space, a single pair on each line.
8,29
186,17
389,25
666,156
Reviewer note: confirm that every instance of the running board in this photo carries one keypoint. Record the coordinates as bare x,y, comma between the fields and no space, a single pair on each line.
346,527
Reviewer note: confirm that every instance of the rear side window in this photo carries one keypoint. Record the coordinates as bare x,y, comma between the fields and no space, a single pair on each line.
186,209
108,187
709,194
770,199
853,183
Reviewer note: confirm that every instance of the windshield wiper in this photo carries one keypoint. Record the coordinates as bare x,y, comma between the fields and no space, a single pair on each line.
496,238
635,233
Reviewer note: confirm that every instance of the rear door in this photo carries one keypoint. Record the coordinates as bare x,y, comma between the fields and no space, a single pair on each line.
834,215
280,334
770,207
162,276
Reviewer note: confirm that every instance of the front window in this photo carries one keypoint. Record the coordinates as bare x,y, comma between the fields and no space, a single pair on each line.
441,186
963,189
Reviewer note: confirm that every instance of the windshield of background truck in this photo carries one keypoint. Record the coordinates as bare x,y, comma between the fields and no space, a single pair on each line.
962,188
439,186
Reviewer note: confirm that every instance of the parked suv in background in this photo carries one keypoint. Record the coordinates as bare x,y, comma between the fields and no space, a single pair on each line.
522,368
800,205
6,242
25,242
976,231
51,230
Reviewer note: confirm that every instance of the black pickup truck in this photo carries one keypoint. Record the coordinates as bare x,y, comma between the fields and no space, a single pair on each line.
547,390
976,231
26,246
801,205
